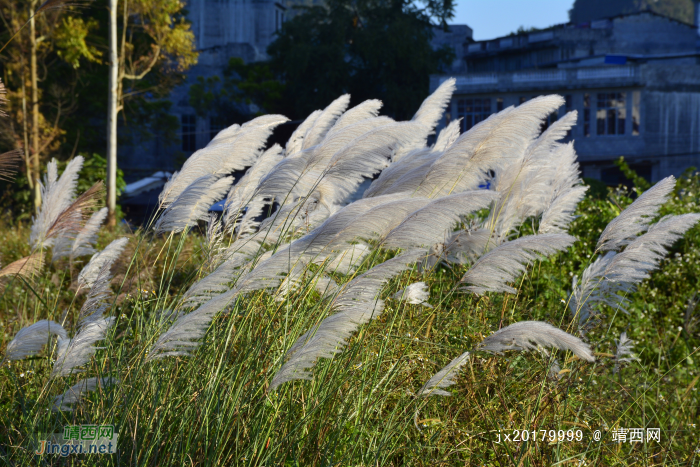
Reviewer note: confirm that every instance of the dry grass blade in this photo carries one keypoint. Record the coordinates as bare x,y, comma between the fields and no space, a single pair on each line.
9,163
3,100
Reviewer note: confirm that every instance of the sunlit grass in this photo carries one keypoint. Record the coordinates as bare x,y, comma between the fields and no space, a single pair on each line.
214,407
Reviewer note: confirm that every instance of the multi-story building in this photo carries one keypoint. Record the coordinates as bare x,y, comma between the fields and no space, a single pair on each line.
222,29
634,80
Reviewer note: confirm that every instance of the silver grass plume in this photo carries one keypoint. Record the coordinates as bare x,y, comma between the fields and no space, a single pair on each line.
31,340
193,203
444,378
10,162
96,302
418,158
324,285
635,219
503,264
296,141
565,193
242,192
26,267
357,303
623,353
76,352
430,224
448,136
223,158
427,116
347,225
415,294
358,150
348,259
529,335
339,164
432,108
498,140
213,245
184,334
88,275
325,121
594,290
367,109
75,393
56,196
216,283
616,273
527,184
225,134
467,245
84,243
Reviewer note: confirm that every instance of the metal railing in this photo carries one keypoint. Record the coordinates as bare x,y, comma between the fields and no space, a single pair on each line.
570,76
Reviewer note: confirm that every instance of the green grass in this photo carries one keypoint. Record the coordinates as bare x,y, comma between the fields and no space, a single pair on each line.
213,408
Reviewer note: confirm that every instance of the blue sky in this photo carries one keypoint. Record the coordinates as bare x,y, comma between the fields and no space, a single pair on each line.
494,18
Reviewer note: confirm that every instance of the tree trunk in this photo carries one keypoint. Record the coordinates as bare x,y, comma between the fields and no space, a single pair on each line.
112,116
36,168
25,132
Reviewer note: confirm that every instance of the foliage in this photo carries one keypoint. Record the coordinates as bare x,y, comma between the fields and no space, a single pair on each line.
639,182
587,10
94,169
360,410
368,49
245,90
70,40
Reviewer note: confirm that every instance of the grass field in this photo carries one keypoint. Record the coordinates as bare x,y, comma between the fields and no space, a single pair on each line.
360,408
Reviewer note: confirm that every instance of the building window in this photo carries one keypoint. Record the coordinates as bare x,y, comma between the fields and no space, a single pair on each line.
499,104
635,112
611,113
473,111
189,133
216,124
586,115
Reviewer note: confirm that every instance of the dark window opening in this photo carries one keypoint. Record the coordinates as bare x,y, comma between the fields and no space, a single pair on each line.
189,133
611,113
473,111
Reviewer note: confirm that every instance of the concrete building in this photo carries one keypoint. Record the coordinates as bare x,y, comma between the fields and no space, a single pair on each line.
634,80
222,29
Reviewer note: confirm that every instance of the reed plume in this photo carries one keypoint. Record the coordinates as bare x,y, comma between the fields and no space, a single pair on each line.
31,340
74,395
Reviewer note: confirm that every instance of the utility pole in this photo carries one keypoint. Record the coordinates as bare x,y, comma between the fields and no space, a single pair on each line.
112,116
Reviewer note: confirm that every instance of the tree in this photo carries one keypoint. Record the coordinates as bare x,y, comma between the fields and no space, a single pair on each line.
29,58
587,10
154,35
243,91
369,48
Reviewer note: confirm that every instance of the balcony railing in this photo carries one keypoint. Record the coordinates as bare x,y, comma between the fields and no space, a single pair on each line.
485,78
618,74
605,73
539,76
